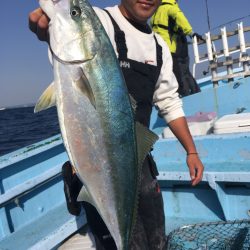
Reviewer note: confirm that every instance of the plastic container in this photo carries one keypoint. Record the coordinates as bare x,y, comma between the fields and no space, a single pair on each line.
199,124
234,123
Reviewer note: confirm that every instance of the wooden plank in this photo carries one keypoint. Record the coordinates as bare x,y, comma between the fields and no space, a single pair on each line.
82,240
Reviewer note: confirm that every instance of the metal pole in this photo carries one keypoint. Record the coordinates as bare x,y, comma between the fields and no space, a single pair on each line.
229,61
244,55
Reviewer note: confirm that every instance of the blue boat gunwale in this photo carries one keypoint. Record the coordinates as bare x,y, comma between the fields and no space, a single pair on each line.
29,151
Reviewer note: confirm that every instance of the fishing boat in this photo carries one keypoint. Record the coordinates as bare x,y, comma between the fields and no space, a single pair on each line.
33,213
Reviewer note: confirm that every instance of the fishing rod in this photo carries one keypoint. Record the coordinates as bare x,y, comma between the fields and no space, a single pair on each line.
232,21
208,18
223,24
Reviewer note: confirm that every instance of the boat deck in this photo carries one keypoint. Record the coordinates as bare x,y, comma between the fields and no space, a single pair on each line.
82,240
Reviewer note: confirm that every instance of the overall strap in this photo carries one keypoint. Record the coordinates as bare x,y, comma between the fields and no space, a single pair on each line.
119,39
122,47
158,57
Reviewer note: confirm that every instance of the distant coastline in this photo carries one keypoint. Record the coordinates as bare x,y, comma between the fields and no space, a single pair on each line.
18,106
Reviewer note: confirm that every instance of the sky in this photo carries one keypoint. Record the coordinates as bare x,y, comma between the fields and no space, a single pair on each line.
24,67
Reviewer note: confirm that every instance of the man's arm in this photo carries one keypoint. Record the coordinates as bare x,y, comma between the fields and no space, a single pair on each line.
183,23
180,129
167,101
180,19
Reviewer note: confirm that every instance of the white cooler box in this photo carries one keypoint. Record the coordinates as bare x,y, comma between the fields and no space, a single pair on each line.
199,124
234,123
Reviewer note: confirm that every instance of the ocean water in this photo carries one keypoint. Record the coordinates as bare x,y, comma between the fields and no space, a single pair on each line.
20,127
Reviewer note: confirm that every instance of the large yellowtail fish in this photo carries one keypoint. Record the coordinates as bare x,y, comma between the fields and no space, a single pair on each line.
104,143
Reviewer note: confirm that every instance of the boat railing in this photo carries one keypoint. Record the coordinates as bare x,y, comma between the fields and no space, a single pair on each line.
225,54
15,193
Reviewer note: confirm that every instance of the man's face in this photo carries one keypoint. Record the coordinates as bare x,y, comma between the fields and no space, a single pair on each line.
139,10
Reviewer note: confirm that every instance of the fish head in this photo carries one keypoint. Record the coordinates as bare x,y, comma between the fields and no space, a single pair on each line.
72,37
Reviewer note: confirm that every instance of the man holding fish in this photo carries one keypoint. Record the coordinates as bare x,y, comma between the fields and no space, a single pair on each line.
146,65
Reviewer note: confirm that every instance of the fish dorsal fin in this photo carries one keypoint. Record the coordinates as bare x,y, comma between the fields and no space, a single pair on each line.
84,87
84,196
133,103
47,99
145,140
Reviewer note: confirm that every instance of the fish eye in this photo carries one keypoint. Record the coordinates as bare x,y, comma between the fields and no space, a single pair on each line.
75,11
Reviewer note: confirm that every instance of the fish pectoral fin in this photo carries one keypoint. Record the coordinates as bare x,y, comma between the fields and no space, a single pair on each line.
47,99
84,87
145,140
84,196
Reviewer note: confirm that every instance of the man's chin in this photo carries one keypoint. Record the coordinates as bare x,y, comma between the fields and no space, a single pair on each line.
143,14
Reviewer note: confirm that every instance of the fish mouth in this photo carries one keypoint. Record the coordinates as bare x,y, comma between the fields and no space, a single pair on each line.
70,62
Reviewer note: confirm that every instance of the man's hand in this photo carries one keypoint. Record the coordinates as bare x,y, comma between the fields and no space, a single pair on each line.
195,168
199,37
39,23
